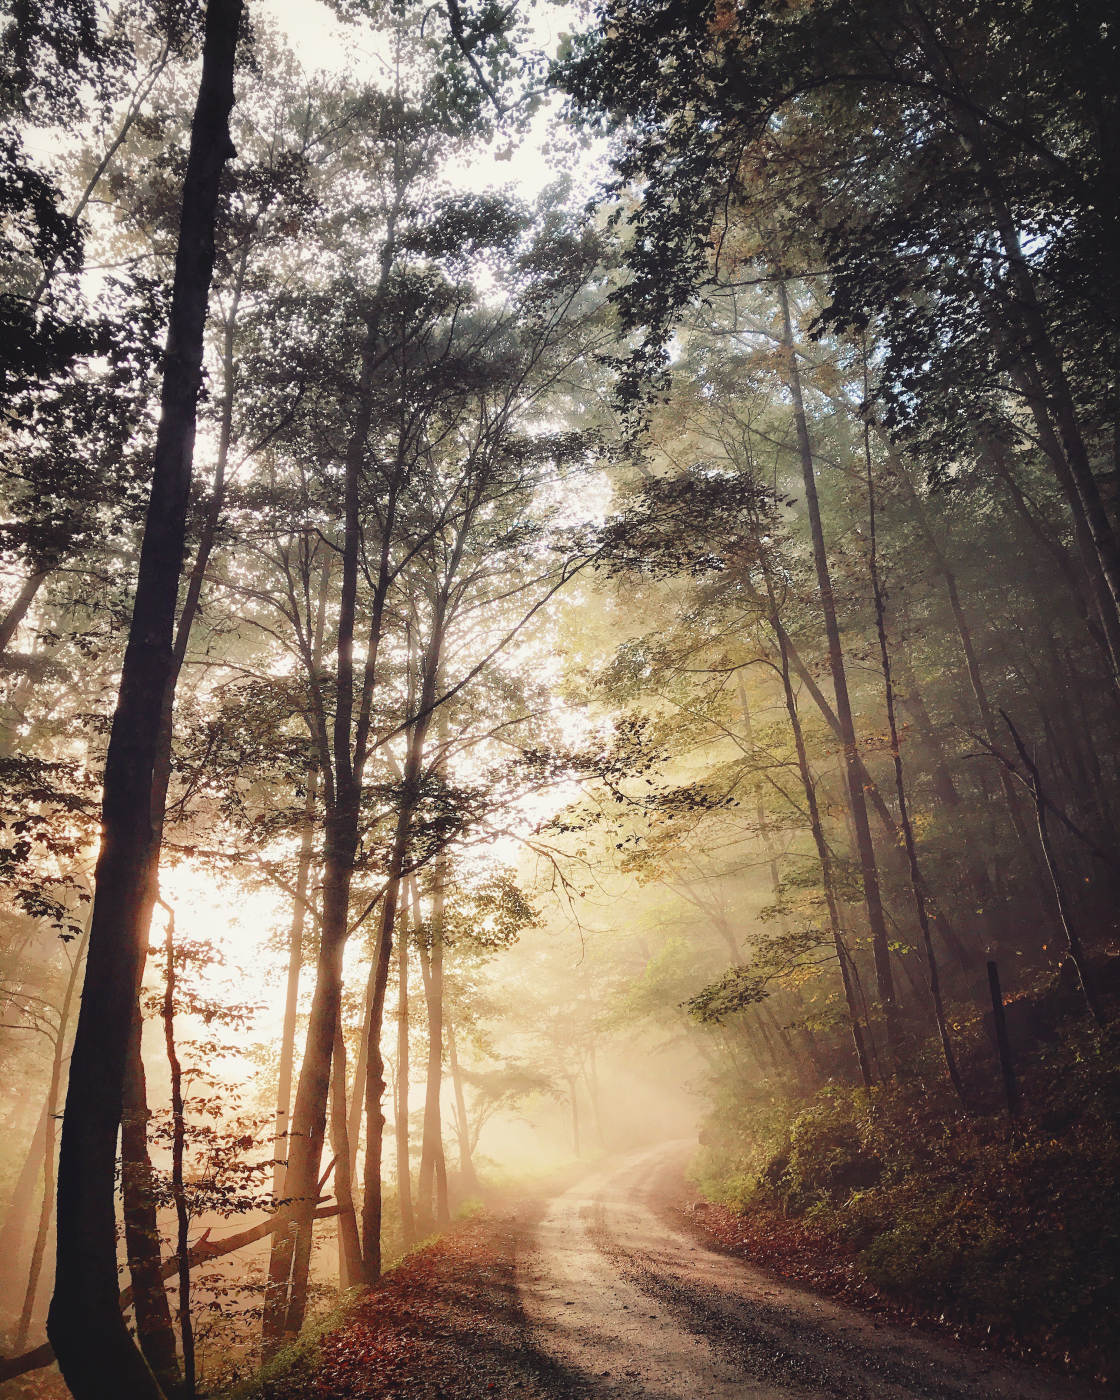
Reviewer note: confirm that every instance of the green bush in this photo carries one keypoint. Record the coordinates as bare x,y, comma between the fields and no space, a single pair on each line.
1016,1228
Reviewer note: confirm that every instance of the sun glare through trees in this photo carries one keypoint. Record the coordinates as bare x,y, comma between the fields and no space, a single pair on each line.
559,698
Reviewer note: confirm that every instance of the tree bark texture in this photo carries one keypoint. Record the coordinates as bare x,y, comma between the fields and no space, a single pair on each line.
99,1359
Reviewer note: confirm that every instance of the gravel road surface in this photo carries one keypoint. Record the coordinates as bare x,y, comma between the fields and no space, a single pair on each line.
622,1304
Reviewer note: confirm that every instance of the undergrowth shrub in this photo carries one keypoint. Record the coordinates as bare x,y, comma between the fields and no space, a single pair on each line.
1014,1227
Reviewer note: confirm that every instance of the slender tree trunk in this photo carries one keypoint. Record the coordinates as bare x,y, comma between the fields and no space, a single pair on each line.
1003,1043
21,1205
591,1077
290,1260
910,697
917,888
573,1103
462,1127
98,1358
857,802
20,605
291,1251
58,1060
1077,954
300,907
428,1211
349,1245
1025,377
375,1064
291,992
1074,571
375,1068
404,1163
178,1154
760,808
824,856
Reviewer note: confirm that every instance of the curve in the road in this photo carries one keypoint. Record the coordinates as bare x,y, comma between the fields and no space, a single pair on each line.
626,1307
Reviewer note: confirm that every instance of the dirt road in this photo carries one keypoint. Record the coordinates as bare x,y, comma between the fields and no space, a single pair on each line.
624,1305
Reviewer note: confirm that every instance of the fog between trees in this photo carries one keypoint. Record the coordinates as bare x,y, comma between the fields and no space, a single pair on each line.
489,681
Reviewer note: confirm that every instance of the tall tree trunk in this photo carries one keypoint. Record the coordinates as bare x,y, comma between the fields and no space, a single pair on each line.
153,1314
98,1358
428,1206
21,1205
300,907
291,1251
467,1171
1077,954
291,990
375,1064
968,651
760,808
573,1104
824,856
917,889
290,1258
404,1163
178,1163
1025,377
349,1245
880,940
1075,571
58,1060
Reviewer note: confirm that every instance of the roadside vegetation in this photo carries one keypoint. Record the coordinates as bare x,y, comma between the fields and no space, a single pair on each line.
1007,1229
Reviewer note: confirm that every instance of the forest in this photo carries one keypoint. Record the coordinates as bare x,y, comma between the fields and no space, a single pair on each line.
559,698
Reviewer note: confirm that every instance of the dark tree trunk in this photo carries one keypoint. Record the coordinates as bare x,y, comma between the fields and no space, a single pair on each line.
1024,376
291,1249
857,801
375,1064
349,1246
291,990
153,1314
824,856
971,661
154,1328
1003,1043
178,1163
428,1205
58,1060
99,1359
917,889
1077,954
404,1163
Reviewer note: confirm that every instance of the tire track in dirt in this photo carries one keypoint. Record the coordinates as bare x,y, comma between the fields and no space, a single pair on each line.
625,1305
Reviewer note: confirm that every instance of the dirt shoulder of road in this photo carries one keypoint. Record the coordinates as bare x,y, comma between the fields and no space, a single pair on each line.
794,1252
445,1324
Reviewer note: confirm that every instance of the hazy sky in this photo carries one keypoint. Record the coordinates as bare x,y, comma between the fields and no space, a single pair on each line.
322,41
